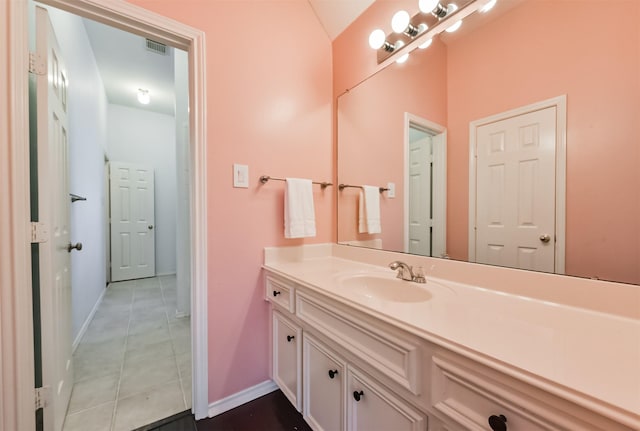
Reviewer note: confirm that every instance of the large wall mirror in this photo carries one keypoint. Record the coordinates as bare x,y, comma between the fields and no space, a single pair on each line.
514,141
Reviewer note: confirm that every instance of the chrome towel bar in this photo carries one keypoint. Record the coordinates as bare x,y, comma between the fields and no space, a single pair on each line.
265,178
344,186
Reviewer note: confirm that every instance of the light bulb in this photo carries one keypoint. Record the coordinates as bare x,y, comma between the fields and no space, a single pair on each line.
143,96
377,39
404,57
426,44
427,6
451,9
400,21
488,6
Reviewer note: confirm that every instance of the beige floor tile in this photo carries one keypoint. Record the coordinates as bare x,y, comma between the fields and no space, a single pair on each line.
184,363
181,344
148,314
93,392
147,407
113,348
148,304
94,368
138,376
149,352
180,327
149,337
95,419
146,326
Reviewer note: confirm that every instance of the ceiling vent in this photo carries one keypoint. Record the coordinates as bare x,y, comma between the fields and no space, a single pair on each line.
157,47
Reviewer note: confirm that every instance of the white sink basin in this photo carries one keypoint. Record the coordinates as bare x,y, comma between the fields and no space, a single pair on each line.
385,287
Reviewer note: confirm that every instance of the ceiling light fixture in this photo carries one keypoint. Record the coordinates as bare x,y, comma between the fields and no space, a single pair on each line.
143,96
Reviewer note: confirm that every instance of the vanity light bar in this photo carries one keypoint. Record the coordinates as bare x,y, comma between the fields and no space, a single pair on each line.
430,24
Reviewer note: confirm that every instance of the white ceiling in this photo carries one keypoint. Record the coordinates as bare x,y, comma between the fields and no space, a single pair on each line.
126,65
336,15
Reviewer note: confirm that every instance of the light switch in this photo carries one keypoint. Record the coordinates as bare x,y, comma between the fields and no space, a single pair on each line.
240,176
391,193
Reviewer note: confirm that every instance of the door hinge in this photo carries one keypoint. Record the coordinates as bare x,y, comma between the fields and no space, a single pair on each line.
36,65
39,232
42,397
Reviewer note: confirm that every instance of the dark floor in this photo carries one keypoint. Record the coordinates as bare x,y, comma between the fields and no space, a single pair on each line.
272,412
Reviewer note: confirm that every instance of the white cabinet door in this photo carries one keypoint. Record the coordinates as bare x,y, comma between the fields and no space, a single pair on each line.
324,386
287,366
371,407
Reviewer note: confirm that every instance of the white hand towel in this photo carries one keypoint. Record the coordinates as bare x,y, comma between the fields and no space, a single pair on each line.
369,210
299,213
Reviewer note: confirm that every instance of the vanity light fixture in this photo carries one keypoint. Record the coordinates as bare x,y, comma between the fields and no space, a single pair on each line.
433,7
404,57
426,44
488,6
377,40
401,23
451,9
143,96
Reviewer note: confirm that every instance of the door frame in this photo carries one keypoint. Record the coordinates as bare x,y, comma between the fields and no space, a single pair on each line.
16,345
560,103
439,195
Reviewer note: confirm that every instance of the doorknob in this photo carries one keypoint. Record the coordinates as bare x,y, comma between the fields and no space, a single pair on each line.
77,246
150,227
545,238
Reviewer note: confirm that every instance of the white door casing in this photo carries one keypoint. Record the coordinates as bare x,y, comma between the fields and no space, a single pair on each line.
54,209
419,178
437,206
17,376
132,218
516,207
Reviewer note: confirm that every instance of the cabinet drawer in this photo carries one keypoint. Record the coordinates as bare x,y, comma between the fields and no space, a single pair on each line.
371,407
389,352
279,292
469,395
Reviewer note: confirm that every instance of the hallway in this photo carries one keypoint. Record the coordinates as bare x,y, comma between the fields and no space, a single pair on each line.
133,365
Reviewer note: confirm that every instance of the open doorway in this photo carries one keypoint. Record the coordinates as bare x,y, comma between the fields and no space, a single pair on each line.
425,187
178,131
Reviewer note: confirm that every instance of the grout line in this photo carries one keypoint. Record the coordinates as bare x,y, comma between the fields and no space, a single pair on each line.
124,354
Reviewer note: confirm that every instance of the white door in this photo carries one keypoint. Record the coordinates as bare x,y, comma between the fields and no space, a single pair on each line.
420,220
132,221
515,190
54,202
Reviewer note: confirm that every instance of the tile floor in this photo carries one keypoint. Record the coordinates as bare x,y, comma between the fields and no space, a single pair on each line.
133,365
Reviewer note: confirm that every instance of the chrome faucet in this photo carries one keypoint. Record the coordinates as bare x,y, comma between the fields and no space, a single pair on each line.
405,272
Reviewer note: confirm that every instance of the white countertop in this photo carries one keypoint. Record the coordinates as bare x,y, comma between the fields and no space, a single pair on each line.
579,354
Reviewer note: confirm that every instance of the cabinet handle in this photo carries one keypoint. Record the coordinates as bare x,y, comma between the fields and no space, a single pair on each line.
498,423
332,373
357,395
290,337
276,293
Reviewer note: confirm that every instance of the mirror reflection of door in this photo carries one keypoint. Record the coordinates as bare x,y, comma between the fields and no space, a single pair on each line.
426,188
515,205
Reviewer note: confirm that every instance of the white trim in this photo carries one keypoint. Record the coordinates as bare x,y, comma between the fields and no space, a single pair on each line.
440,176
164,274
242,397
16,317
17,375
560,103
87,321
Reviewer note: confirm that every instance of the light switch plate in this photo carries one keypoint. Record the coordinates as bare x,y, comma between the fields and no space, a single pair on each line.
391,193
240,176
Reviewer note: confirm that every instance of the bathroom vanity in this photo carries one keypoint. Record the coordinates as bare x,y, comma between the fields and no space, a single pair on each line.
355,348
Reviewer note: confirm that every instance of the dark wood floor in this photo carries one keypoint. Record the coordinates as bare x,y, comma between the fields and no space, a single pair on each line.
272,412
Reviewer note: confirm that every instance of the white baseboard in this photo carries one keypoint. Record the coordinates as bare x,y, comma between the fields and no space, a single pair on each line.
242,397
88,320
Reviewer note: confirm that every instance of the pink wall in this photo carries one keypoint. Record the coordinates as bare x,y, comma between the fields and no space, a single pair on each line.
371,134
595,62
572,51
268,106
